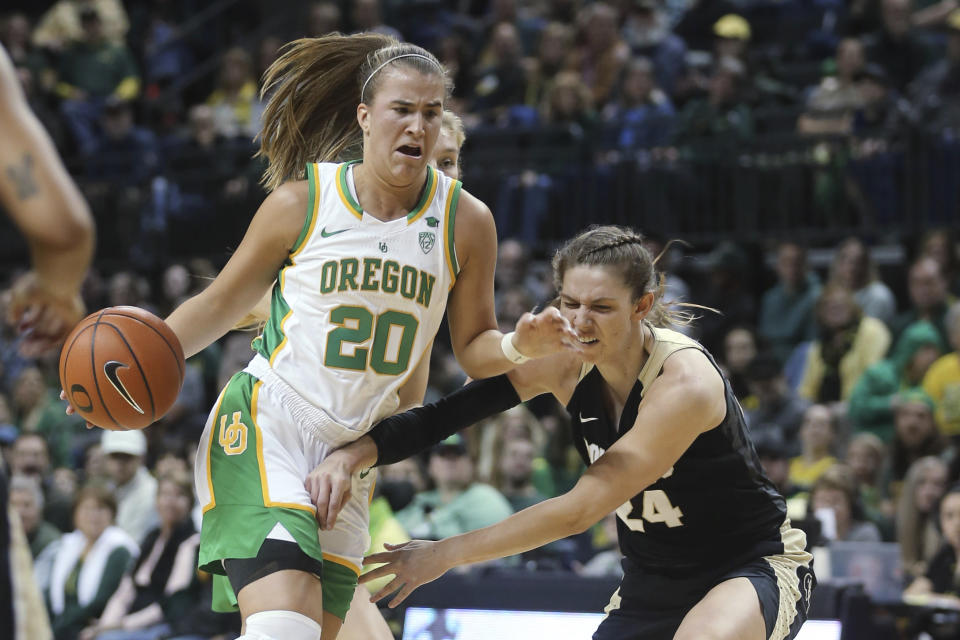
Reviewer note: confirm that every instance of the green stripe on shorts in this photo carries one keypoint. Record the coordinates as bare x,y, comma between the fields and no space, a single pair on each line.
238,522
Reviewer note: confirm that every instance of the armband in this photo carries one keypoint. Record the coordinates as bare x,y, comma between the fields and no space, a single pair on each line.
509,351
408,433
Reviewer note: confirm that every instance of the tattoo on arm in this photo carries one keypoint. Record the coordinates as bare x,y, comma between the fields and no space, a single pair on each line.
22,177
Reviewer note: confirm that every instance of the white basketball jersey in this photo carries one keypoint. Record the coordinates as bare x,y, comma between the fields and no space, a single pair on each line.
359,300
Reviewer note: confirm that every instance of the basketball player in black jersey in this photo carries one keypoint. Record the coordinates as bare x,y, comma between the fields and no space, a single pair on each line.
40,197
709,552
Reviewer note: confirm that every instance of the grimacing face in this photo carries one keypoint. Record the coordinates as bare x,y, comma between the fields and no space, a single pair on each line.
600,307
401,123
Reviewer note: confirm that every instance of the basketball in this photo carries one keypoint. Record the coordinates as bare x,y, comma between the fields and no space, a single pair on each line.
121,368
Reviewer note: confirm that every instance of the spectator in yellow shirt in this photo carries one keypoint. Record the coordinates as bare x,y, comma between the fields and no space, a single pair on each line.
942,380
818,432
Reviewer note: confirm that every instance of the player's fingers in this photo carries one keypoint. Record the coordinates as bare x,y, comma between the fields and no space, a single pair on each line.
391,586
394,547
322,498
314,493
378,558
50,323
402,595
29,315
337,500
377,572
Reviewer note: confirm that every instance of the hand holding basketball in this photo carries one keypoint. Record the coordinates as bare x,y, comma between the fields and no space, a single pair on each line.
121,368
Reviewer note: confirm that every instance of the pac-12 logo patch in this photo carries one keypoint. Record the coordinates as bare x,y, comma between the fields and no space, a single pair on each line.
427,240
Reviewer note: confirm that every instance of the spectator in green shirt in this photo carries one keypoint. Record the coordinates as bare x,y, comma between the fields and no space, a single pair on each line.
90,71
87,564
787,310
721,116
871,402
457,504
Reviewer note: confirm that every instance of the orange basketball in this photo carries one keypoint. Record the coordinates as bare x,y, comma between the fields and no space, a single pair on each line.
121,368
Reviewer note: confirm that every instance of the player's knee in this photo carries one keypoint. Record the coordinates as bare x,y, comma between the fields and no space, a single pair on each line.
280,625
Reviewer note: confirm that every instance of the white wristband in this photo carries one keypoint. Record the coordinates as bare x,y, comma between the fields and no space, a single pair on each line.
509,351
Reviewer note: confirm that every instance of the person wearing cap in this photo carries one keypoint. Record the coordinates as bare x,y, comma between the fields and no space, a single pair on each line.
136,489
732,36
457,503
873,397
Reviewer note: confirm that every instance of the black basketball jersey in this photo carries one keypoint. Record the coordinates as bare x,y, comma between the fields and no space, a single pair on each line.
714,507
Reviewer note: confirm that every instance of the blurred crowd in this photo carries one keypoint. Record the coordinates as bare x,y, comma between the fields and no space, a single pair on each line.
156,108
845,357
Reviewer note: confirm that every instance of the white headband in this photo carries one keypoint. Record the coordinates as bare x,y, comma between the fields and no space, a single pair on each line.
363,89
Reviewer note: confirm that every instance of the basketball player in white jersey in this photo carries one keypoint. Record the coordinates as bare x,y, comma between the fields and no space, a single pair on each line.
366,256
364,621
47,207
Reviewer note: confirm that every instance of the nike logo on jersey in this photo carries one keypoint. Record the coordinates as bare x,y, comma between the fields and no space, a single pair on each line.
110,370
327,234
582,419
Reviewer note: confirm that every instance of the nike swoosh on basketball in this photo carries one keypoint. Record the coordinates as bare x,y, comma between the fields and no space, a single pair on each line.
582,419
110,370
326,234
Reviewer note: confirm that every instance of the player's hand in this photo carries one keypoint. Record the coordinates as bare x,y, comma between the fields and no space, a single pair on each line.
412,563
42,317
70,410
545,333
329,486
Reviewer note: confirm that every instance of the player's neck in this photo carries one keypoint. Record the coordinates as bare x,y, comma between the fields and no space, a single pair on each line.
381,199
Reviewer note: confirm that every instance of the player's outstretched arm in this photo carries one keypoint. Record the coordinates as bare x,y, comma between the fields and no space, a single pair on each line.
686,400
405,434
47,207
248,274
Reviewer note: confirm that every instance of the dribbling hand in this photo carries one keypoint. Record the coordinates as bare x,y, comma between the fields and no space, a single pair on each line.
329,486
412,564
545,333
